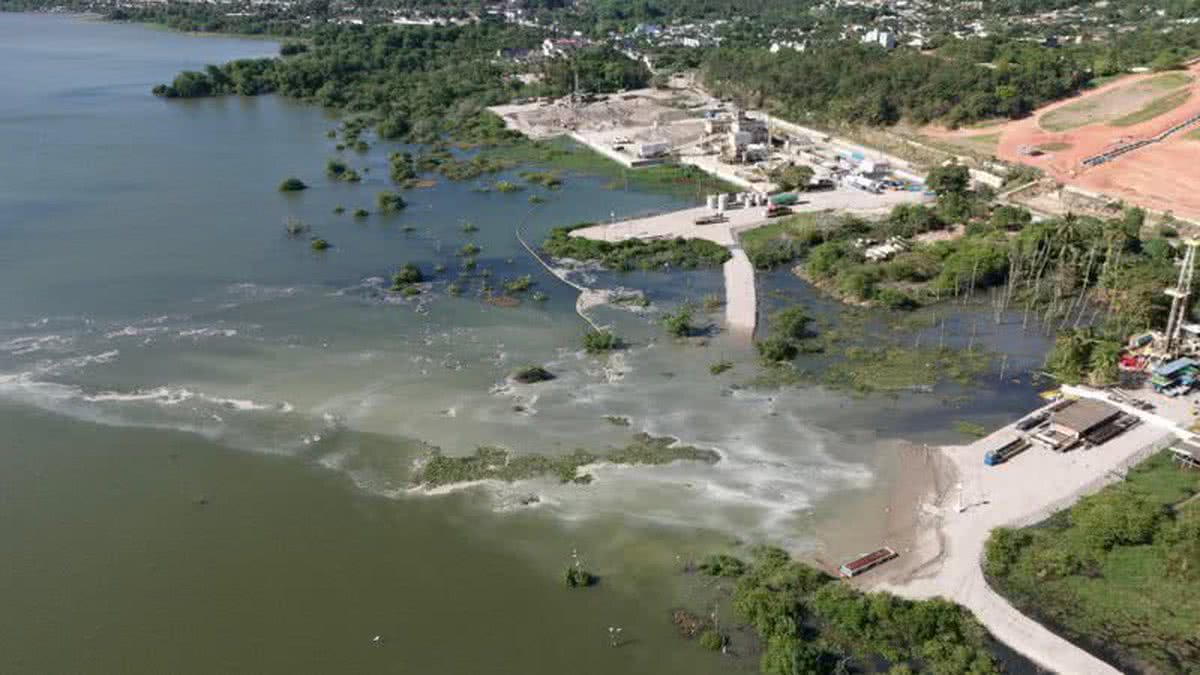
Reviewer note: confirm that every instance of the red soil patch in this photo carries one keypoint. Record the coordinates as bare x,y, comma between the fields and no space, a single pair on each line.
1162,176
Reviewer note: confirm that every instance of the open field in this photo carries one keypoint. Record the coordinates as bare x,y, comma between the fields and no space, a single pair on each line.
1159,176
1158,106
1112,103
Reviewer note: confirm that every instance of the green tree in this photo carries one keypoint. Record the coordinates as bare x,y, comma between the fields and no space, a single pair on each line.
949,179
792,176
1116,517
789,655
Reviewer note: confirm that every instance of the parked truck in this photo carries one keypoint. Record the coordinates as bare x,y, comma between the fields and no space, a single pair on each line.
1005,452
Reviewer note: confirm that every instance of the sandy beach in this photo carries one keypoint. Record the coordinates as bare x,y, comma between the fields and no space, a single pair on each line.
945,509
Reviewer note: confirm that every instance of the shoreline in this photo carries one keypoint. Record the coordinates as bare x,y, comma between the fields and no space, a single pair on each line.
950,532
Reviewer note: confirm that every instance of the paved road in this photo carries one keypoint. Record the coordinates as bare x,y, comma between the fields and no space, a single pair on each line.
1027,489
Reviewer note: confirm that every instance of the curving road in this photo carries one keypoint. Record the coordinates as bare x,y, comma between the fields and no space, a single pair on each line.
1027,489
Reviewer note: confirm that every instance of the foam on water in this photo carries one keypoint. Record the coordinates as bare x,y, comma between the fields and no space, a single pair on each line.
449,386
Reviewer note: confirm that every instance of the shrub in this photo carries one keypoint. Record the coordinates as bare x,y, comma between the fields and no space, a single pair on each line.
721,565
292,184
319,244
576,577
791,323
338,170
858,283
824,260
679,322
1054,562
408,274
532,375
389,202
774,350
713,640
598,341
720,367
1116,517
519,285
468,250
895,299
361,213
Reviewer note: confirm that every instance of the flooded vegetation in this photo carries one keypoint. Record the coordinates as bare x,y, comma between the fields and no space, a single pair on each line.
490,463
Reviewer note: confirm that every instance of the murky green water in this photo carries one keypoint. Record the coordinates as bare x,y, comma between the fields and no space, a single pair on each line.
208,428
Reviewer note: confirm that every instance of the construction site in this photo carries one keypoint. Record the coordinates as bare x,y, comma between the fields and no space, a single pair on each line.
684,124
1134,140
748,149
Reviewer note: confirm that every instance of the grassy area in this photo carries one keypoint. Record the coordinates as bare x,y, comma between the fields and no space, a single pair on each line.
1118,572
989,140
1193,135
1158,106
1094,109
778,229
781,241
1168,81
567,155
635,253
893,368
491,463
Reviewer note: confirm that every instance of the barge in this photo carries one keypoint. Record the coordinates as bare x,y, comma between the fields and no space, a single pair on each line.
867,561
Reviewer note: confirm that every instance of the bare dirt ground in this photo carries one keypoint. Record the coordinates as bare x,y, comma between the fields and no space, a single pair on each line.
634,113
1161,176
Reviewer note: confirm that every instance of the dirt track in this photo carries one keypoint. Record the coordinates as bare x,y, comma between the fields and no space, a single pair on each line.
1162,176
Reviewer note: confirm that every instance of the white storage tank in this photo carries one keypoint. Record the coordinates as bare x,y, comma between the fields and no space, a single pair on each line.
712,202
722,201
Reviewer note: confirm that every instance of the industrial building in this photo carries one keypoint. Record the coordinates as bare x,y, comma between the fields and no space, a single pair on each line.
1084,420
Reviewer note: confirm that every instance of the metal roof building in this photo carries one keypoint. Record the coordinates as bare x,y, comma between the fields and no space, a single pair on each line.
1082,416
1174,367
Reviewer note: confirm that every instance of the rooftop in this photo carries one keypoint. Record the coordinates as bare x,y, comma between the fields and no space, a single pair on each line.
1174,367
1084,415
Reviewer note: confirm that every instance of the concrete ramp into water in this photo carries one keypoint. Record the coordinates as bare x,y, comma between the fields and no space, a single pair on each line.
741,301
